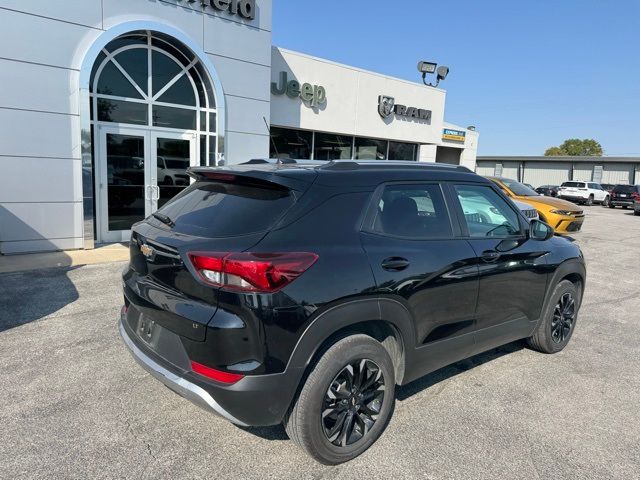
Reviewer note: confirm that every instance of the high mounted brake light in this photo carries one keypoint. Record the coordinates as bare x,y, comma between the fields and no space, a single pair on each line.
251,272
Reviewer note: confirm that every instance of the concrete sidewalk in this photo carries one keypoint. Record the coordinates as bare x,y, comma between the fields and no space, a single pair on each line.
115,252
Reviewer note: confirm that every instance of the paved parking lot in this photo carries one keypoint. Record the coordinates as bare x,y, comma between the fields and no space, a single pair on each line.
74,404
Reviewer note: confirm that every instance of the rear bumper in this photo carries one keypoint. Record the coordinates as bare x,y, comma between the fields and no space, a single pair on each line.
178,384
258,400
617,202
573,198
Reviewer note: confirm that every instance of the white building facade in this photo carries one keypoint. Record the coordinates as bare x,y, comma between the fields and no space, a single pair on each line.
105,103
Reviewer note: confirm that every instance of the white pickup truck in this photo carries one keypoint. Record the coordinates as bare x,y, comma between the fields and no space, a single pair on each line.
587,193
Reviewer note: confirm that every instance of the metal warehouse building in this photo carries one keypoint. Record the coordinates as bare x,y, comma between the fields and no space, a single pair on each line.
539,171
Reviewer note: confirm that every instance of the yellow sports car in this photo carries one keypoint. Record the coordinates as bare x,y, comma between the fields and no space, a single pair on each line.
565,217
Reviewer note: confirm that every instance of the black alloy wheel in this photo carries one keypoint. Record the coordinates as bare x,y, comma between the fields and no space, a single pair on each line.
346,401
353,402
564,316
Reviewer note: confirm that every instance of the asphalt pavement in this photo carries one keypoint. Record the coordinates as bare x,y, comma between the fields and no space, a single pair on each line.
74,404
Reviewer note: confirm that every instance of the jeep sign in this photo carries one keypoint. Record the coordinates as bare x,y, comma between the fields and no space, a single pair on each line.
312,95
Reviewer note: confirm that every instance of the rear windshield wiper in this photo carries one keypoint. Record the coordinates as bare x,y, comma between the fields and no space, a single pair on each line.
164,219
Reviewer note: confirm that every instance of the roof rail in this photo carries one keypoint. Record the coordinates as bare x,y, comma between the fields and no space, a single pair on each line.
353,164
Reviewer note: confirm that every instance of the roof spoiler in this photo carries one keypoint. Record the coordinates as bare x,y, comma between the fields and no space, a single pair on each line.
250,177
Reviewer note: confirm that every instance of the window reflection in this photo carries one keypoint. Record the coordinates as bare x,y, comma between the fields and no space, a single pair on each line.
125,181
332,147
174,157
370,149
287,143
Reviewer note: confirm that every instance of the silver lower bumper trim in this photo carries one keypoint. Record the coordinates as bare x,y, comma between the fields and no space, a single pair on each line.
181,386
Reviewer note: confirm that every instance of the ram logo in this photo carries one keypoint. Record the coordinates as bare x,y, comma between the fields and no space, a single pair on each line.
386,105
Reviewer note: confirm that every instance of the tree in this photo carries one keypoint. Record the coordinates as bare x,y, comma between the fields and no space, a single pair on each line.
576,147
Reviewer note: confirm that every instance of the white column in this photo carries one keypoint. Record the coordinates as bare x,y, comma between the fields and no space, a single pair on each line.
468,155
427,153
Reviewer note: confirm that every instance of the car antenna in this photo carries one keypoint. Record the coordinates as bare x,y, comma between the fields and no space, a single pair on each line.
266,124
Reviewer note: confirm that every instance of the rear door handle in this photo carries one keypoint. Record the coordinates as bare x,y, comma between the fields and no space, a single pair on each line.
395,264
490,256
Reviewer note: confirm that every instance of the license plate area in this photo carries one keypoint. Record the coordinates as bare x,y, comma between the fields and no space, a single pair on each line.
147,329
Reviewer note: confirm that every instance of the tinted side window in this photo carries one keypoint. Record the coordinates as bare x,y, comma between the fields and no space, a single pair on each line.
413,211
486,213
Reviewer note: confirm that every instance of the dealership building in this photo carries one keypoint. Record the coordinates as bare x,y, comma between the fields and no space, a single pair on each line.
105,103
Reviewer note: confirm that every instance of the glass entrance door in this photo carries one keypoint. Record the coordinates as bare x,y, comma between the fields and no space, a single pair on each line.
139,172
172,155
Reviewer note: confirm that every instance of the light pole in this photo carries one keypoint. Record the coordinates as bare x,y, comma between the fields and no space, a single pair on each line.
429,68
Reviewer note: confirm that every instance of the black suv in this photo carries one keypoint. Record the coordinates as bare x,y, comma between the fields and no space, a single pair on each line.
305,293
624,196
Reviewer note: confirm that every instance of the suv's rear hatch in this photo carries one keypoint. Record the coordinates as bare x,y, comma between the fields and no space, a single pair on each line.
624,193
223,211
573,188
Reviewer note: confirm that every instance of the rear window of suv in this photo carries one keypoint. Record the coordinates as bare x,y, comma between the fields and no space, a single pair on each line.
573,184
624,188
217,209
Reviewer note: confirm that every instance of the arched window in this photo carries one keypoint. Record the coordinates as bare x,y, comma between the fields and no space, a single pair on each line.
147,79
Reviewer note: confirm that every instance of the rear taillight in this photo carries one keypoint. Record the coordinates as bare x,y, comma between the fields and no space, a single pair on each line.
217,375
251,272
635,196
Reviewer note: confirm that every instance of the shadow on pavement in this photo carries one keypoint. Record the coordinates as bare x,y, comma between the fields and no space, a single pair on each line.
277,432
29,296
26,296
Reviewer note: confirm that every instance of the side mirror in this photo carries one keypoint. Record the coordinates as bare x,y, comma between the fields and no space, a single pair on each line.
538,230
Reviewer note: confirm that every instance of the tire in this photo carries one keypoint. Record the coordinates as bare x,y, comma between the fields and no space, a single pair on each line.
605,202
305,424
636,213
589,201
625,206
611,206
546,338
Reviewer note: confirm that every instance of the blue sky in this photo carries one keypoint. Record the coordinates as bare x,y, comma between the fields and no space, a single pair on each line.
527,74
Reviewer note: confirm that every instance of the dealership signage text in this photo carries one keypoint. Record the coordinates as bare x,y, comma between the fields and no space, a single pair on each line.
454,135
388,106
244,8
314,95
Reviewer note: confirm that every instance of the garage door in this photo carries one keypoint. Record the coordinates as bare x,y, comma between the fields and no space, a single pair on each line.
546,173
510,170
583,172
617,173
486,169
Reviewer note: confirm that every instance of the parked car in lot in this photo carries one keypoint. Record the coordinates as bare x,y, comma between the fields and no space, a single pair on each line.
304,294
563,216
636,207
624,196
548,190
586,193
